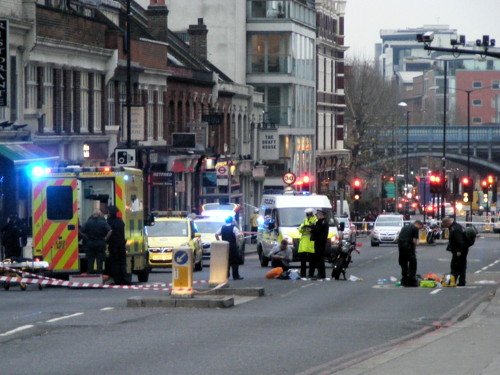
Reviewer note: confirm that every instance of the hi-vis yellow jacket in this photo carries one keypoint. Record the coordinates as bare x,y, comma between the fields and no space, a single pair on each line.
306,245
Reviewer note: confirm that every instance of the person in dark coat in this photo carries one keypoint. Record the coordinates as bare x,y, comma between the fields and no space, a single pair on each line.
97,232
458,248
319,234
230,233
407,244
14,237
117,248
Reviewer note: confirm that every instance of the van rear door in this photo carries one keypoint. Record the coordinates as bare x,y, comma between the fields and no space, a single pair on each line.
55,223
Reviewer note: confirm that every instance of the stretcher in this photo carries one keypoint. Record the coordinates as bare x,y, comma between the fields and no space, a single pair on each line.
16,269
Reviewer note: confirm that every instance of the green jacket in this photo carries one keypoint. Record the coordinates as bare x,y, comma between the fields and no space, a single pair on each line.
305,244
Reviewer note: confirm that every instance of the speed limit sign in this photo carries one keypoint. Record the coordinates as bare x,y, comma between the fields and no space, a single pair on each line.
289,178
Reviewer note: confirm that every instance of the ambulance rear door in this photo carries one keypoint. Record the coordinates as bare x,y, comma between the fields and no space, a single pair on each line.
55,223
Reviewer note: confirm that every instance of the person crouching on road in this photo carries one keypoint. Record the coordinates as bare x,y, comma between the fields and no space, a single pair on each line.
281,255
230,233
306,245
319,234
458,248
407,243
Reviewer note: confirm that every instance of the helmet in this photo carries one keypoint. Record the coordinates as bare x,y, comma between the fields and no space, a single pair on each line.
309,211
256,210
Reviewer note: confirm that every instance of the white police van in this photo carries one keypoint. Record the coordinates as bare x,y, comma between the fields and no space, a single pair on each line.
280,216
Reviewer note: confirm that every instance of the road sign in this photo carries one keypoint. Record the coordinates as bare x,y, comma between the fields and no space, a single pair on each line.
289,178
222,170
125,157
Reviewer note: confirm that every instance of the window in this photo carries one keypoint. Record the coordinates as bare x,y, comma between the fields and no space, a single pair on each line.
48,97
97,103
31,86
477,84
477,103
111,103
495,85
84,102
59,202
160,112
151,111
477,120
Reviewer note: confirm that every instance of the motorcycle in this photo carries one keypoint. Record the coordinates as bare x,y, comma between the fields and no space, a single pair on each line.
342,258
433,233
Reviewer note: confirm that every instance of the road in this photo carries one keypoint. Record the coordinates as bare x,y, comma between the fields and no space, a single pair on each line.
298,327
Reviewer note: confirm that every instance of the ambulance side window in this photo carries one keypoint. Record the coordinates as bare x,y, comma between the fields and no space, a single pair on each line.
59,203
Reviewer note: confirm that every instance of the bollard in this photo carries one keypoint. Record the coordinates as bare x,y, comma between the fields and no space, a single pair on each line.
219,262
182,272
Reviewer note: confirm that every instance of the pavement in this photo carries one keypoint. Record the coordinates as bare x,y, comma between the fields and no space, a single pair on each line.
469,347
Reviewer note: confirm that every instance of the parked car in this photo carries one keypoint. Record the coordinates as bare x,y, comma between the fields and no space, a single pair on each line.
207,226
349,228
386,229
167,233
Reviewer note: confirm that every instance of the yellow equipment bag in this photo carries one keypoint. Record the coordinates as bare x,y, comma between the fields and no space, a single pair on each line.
448,280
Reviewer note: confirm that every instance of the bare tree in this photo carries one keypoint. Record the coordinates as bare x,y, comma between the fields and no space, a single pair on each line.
372,114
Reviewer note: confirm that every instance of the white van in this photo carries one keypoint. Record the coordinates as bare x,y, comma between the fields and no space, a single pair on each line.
280,216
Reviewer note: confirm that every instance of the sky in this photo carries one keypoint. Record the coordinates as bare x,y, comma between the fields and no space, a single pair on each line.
365,18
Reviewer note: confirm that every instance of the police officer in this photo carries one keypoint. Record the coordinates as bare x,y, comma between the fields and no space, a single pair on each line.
407,243
97,232
230,233
320,237
306,245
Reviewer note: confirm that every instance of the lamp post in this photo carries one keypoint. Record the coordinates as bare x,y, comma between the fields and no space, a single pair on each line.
407,178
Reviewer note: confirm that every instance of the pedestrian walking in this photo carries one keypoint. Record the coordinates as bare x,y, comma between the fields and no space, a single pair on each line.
229,232
97,232
319,234
117,248
306,245
281,255
254,225
407,244
458,248
14,237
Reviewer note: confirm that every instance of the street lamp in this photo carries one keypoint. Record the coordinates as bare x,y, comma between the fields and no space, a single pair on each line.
404,105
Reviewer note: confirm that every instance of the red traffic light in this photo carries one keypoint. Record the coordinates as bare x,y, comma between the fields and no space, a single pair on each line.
357,183
306,179
484,183
465,181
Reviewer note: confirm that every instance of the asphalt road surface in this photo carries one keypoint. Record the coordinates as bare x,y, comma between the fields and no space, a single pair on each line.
298,327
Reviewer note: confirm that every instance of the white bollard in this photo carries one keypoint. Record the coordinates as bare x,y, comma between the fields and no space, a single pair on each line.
219,262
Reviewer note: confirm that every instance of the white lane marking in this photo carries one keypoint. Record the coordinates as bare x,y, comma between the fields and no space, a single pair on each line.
107,308
63,317
18,329
436,291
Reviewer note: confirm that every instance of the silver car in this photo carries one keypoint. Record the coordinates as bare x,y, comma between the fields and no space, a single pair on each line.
386,229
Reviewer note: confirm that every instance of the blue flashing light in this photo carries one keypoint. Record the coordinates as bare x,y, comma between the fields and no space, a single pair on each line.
39,171
306,193
126,177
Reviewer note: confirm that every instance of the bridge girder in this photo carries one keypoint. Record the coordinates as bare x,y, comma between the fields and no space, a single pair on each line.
476,163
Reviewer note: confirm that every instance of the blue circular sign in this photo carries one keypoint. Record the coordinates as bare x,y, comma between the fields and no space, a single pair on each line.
181,257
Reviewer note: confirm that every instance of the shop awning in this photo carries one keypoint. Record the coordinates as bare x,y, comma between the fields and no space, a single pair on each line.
25,153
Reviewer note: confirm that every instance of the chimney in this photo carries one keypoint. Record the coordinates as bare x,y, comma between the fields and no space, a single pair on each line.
197,35
157,13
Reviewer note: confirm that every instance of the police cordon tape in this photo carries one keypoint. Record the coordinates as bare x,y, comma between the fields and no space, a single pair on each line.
44,280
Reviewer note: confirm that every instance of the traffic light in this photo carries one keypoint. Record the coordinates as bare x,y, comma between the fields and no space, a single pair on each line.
466,189
357,189
435,183
485,186
306,183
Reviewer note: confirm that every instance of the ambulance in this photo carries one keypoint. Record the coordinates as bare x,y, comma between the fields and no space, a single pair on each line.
280,216
63,200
